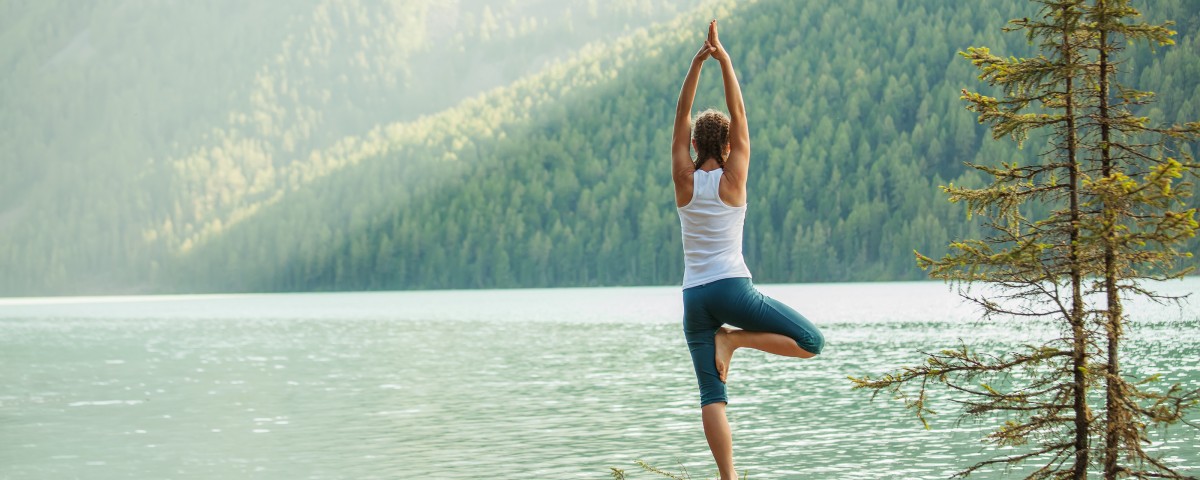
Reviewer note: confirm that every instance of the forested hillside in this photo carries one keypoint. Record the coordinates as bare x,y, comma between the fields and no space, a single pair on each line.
325,163
129,130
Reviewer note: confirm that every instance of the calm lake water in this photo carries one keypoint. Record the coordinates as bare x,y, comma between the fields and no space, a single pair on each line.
523,384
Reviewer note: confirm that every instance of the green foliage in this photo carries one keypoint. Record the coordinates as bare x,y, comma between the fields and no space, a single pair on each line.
306,153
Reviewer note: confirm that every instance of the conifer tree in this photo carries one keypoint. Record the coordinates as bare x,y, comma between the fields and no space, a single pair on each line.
1076,214
1138,223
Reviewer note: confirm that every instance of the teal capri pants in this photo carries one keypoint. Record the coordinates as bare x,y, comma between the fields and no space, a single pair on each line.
736,302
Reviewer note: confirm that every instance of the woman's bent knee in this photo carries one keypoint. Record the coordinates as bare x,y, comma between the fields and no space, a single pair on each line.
811,341
817,343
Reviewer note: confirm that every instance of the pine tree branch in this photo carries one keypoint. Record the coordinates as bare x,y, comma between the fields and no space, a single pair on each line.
1014,459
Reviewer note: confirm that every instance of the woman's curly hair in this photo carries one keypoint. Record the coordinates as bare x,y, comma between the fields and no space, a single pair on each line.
710,131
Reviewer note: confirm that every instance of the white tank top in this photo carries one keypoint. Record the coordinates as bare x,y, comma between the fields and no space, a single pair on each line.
712,233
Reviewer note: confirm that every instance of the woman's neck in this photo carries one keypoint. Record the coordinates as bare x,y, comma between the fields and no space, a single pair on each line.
710,164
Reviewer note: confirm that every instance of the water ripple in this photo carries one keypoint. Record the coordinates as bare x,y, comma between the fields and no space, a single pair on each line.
512,384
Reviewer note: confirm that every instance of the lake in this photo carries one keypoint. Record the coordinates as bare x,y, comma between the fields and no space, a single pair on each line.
546,384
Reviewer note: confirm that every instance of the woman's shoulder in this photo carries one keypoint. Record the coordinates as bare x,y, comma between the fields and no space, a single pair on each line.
733,189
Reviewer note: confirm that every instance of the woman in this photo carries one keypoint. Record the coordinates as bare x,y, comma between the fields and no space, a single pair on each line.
710,193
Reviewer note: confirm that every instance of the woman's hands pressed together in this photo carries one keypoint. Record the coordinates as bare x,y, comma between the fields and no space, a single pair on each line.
713,42
712,47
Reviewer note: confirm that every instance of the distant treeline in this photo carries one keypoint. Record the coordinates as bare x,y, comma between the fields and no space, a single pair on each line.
562,179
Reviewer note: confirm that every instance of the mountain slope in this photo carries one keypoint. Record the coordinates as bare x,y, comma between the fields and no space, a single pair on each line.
134,129
337,144
855,122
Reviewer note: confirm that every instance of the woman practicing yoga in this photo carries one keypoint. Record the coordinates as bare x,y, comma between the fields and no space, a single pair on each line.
710,192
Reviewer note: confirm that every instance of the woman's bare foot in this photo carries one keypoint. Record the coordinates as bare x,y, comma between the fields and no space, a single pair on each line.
725,348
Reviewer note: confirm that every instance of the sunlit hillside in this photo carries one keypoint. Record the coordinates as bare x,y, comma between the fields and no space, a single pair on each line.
319,145
133,129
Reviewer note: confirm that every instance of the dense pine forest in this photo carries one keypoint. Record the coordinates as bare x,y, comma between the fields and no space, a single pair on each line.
349,145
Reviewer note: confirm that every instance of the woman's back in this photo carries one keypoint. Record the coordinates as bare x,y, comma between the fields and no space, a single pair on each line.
712,233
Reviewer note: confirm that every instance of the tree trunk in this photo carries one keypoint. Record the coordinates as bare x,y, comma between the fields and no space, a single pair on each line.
1078,335
1114,394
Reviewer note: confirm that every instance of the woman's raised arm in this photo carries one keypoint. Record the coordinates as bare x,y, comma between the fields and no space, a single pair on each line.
738,163
681,137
